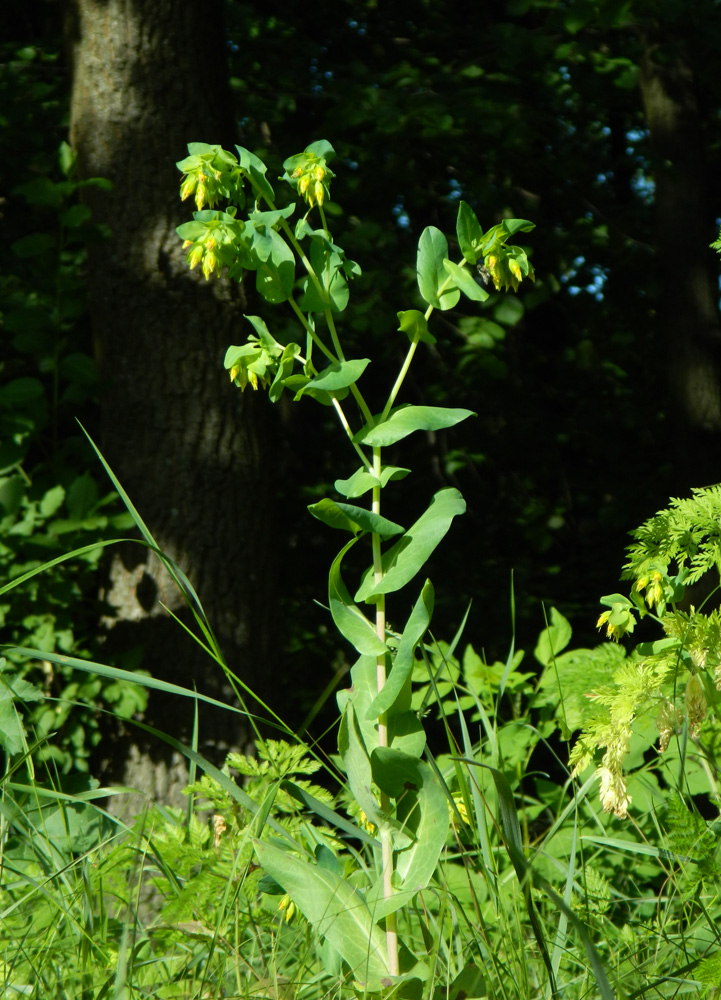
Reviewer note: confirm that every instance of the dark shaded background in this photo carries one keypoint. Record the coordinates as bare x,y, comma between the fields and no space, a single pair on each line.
597,389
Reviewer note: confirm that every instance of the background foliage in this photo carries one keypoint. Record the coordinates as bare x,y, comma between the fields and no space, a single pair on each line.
527,109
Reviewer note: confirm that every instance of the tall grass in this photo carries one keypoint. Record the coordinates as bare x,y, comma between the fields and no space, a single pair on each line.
538,892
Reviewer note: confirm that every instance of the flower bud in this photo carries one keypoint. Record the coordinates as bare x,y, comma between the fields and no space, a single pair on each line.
195,256
287,906
210,262
188,186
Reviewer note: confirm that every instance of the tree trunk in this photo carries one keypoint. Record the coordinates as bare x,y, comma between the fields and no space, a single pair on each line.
148,77
688,314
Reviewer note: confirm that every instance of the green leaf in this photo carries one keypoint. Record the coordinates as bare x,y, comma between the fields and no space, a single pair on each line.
404,559
337,911
518,226
12,732
433,282
285,369
75,216
339,375
422,810
52,501
20,391
469,233
256,169
403,661
415,325
509,310
355,757
82,496
406,419
322,149
468,983
347,617
33,245
464,280
333,292
351,518
405,730
553,640
275,277
362,480
359,483
328,815
265,337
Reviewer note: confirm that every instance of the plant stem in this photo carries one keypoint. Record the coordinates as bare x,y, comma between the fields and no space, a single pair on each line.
311,332
404,370
385,833
347,428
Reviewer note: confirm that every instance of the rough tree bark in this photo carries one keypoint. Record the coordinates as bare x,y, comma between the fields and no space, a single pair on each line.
149,76
688,314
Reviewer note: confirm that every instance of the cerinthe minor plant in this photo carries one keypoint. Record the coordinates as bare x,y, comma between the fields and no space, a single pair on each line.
403,810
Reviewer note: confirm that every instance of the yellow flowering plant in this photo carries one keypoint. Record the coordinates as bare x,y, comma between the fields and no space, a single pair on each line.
403,806
672,685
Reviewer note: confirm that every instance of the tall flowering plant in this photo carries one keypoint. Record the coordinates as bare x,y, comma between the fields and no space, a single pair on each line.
401,807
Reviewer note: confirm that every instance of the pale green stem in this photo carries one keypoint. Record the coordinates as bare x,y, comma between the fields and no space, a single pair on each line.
385,834
399,381
355,391
347,428
311,332
409,356
386,843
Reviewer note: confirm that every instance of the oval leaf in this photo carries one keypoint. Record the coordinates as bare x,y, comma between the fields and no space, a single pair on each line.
465,281
433,281
404,420
358,484
340,375
362,480
553,640
404,559
352,518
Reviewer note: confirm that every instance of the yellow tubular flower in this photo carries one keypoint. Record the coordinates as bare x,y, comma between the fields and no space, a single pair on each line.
288,906
195,256
188,186
210,262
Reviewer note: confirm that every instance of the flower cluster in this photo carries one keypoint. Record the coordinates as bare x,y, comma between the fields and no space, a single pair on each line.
619,619
210,174
507,270
310,173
